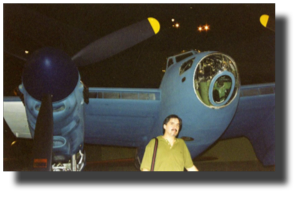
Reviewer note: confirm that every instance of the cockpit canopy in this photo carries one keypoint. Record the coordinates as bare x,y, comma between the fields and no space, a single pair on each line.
179,57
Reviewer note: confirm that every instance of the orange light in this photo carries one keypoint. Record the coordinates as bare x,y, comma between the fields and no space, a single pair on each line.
200,28
206,27
40,163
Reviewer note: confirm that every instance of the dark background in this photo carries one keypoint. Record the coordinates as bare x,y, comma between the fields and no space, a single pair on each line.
235,30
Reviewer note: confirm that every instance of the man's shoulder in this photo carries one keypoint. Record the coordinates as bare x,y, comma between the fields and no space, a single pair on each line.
180,140
160,137
152,141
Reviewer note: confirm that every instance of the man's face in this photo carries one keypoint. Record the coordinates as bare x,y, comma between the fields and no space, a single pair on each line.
172,127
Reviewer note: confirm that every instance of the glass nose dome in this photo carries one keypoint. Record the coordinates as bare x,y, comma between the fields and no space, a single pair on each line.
216,80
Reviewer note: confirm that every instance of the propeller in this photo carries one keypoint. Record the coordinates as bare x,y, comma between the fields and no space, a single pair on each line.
52,72
43,138
117,42
268,22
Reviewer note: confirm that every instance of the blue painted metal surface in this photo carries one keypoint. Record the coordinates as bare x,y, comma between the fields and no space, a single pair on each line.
68,116
121,117
255,119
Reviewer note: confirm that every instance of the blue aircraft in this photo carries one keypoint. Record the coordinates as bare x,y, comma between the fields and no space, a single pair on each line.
61,114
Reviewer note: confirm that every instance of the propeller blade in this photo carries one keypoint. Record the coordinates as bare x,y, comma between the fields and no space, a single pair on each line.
14,50
43,138
268,22
117,42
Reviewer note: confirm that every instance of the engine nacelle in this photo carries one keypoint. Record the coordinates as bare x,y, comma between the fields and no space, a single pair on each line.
51,71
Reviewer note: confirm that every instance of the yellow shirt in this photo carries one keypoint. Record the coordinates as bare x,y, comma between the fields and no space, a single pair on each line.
169,158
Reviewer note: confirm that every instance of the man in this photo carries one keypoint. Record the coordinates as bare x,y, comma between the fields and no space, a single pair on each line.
172,153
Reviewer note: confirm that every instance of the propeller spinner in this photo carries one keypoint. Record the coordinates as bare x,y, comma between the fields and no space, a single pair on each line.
50,71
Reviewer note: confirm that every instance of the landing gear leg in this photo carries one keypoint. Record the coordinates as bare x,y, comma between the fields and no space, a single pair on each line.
76,163
137,161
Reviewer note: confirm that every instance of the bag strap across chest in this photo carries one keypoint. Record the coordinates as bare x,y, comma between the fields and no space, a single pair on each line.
154,155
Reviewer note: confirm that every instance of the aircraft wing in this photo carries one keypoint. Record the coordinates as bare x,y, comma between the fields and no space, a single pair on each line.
255,119
15,116
120,117
124,113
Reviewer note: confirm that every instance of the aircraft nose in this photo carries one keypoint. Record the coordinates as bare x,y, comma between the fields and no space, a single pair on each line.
50,71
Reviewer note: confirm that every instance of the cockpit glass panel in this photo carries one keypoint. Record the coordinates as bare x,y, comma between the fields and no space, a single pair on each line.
216,80
186,65
170,62
222,88
183,56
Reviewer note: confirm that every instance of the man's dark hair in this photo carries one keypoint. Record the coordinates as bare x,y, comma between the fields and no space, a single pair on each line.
166,120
